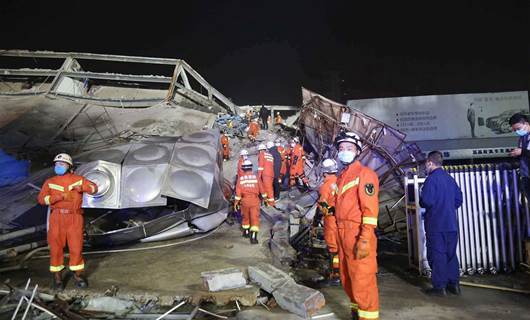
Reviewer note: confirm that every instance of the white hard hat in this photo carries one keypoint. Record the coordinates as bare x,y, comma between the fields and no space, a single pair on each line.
247,165
243,152
270,144
329,166
349,137
296,139
262,147
63,157
278,143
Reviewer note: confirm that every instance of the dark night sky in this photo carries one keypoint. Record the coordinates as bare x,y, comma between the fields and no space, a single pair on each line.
263,51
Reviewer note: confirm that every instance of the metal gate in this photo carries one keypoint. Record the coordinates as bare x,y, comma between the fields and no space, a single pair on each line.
493,219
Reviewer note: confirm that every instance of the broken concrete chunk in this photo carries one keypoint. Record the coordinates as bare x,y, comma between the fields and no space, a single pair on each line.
283,254
267,276
223,279
246,296
113,305
272,214
298,299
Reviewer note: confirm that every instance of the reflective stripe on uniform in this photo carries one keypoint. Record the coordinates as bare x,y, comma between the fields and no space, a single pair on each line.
335,259
248,181
77,268
77,183
354,306
260,169
55,187
237,198
370,220
368,314
270,199
245,226
56,268
47,200
350,185
254,228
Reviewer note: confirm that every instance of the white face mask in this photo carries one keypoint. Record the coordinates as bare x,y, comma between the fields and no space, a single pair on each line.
346,156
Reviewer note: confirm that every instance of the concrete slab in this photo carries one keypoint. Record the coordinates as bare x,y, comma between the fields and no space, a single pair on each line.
246,296
267,277
224,279
298,299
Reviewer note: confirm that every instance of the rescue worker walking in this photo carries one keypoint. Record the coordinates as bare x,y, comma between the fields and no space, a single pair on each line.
277,164
278,120
253,130
264,115
296,166
283,156
64,194
225,142
243,155
248,190
441,197
266,175
326,205
356,212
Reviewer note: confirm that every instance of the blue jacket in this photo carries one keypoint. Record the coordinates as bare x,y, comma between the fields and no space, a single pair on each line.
440,196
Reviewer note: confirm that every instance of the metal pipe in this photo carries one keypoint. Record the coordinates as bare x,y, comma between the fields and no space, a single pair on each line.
486,191
465,229
506,184
172,309
493,218
480,197
460,248
501,218
23,247
516,196
20,233
474,215
20,301
470,225
30,302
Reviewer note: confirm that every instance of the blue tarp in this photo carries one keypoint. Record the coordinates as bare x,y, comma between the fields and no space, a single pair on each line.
11,169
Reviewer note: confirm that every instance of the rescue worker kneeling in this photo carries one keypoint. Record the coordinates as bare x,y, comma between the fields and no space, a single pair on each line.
248,190
64,194
326,205
356,212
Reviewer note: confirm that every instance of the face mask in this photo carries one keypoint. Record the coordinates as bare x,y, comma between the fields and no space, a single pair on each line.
293,145
521,132
60,170
346,156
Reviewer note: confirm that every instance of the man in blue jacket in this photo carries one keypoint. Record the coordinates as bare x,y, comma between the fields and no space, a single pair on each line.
440,197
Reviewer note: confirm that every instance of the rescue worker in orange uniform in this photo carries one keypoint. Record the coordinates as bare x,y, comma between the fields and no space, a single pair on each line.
243,155
356,213
278,120
248,190
266,175
296,166
326,204
225,142
253,130
64,194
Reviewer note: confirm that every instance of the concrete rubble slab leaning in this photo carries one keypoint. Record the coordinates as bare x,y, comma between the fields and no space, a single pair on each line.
267,277
224,279
298,299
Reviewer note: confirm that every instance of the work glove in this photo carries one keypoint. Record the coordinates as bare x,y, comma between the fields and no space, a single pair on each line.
362,249
324,209
334,260
237,206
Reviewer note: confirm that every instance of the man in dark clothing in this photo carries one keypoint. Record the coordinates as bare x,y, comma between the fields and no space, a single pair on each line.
277,168
264,114
441,197
521,127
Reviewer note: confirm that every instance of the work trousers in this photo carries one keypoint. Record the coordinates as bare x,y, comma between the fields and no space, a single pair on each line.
358,276
276,187
441,254
267,183
250,217
65,229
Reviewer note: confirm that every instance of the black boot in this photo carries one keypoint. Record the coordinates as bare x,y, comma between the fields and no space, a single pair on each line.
57,281
80,281
354,314
454,289
246,233
254,237
434,292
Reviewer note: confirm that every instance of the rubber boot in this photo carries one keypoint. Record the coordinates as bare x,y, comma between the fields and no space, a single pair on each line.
80,281
246,233
254,237
57,281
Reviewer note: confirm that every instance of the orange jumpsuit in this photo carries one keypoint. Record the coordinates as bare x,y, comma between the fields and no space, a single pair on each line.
66,218
226,146
327,191
248,190
266,176
356,212
297,165
283,155
253,130
240,167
